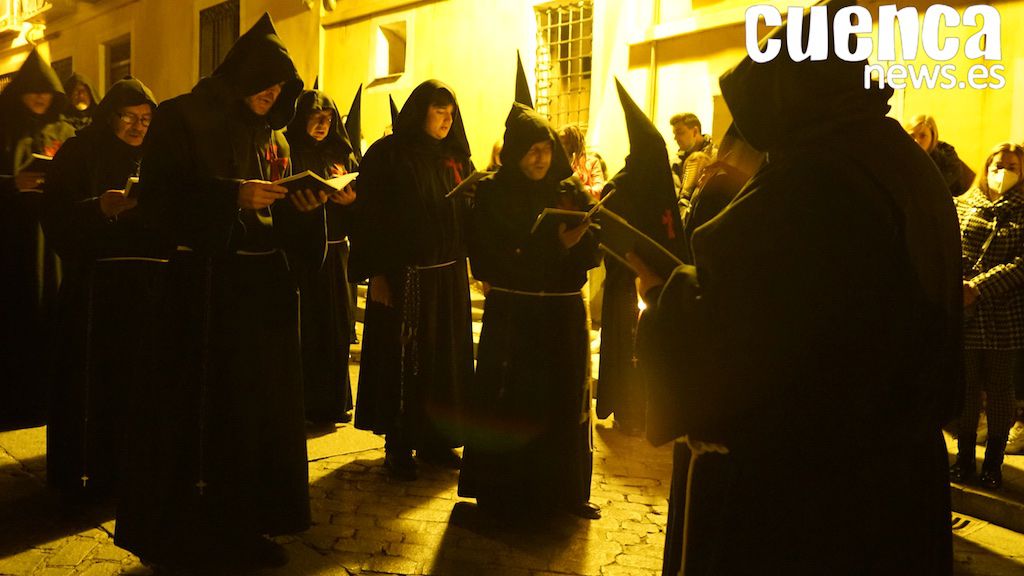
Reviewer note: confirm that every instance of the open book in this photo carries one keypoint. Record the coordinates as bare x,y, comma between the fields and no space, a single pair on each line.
619,237
552,217
468,182
40,163
310,181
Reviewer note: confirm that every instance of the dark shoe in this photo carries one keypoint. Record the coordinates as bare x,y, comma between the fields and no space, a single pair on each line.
400,464
445,458
962,472
345,418
991,478
586,510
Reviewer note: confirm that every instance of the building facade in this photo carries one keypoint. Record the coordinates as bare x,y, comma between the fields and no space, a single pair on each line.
668,53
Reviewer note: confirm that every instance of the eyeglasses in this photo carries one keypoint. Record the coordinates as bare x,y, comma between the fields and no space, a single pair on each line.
131,119
320,119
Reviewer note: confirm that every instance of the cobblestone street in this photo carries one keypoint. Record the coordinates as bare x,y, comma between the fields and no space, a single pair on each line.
366,523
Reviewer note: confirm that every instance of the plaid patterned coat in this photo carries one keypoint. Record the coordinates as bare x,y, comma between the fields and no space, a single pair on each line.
993,262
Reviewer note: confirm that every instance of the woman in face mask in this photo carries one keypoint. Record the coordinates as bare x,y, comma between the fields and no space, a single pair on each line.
992,229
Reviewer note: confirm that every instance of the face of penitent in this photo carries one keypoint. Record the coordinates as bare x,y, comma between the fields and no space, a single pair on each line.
132,122
261,102
37,102
537,161
438,121
319,124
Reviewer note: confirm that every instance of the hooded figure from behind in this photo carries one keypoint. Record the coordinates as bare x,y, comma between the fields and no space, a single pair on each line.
112,271
824,347
82,102
645,196
411,243
218,446
528,445
319,143
29,124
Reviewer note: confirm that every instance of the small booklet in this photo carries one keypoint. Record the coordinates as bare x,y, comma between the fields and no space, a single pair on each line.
310,181
468,182
552,217
619,237
129,187
40,163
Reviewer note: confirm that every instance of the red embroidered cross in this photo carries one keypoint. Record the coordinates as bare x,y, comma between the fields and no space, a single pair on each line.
669,224
456,169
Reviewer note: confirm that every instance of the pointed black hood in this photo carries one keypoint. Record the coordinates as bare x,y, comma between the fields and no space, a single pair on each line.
523,128
35,75
354,124
258,60
522,85
394,110
408,127
645,192
336,144
783,102
126,92
69,84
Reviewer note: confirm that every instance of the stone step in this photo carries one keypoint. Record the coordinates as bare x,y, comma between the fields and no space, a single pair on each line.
1003,507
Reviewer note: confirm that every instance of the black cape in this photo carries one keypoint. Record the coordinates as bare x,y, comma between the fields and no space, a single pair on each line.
410,233
528,434
31,269
824,348
112,270
218,447
326,302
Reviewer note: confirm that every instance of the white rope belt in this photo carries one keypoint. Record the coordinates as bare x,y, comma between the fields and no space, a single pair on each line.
436,266
133,259
342,241
259,253
537,294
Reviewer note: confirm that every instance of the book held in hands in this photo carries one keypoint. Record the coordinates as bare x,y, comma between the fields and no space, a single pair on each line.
311,181
468,183
619,237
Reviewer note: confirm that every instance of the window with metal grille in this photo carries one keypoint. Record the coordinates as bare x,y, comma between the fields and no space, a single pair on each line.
62,67
119,59
565,33
218,30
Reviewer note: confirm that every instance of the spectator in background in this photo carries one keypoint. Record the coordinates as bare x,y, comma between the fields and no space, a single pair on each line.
585,165
696,150
992,232
957,175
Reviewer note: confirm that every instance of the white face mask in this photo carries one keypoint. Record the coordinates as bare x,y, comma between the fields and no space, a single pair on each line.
1000,180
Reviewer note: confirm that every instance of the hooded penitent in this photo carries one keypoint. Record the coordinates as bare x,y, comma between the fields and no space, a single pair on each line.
30,269
645,192
334,149
354,124
126,92
408,126
824,348
79,118
256,61
522,85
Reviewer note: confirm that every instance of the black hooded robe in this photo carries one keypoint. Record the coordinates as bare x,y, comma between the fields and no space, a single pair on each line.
31,270
79,119
112,271
529,426
411,233
644,195
827,327
218,450
326,301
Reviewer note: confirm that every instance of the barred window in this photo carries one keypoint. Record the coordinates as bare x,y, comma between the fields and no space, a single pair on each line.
565,32
218,30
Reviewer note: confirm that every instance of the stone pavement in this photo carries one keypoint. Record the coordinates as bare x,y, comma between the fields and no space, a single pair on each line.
366,523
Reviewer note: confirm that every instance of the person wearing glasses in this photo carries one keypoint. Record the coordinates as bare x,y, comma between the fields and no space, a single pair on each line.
320,144
30,124
110,267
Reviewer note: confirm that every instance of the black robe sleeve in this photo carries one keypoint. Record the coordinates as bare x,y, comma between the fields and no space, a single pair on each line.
376,237
178,197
